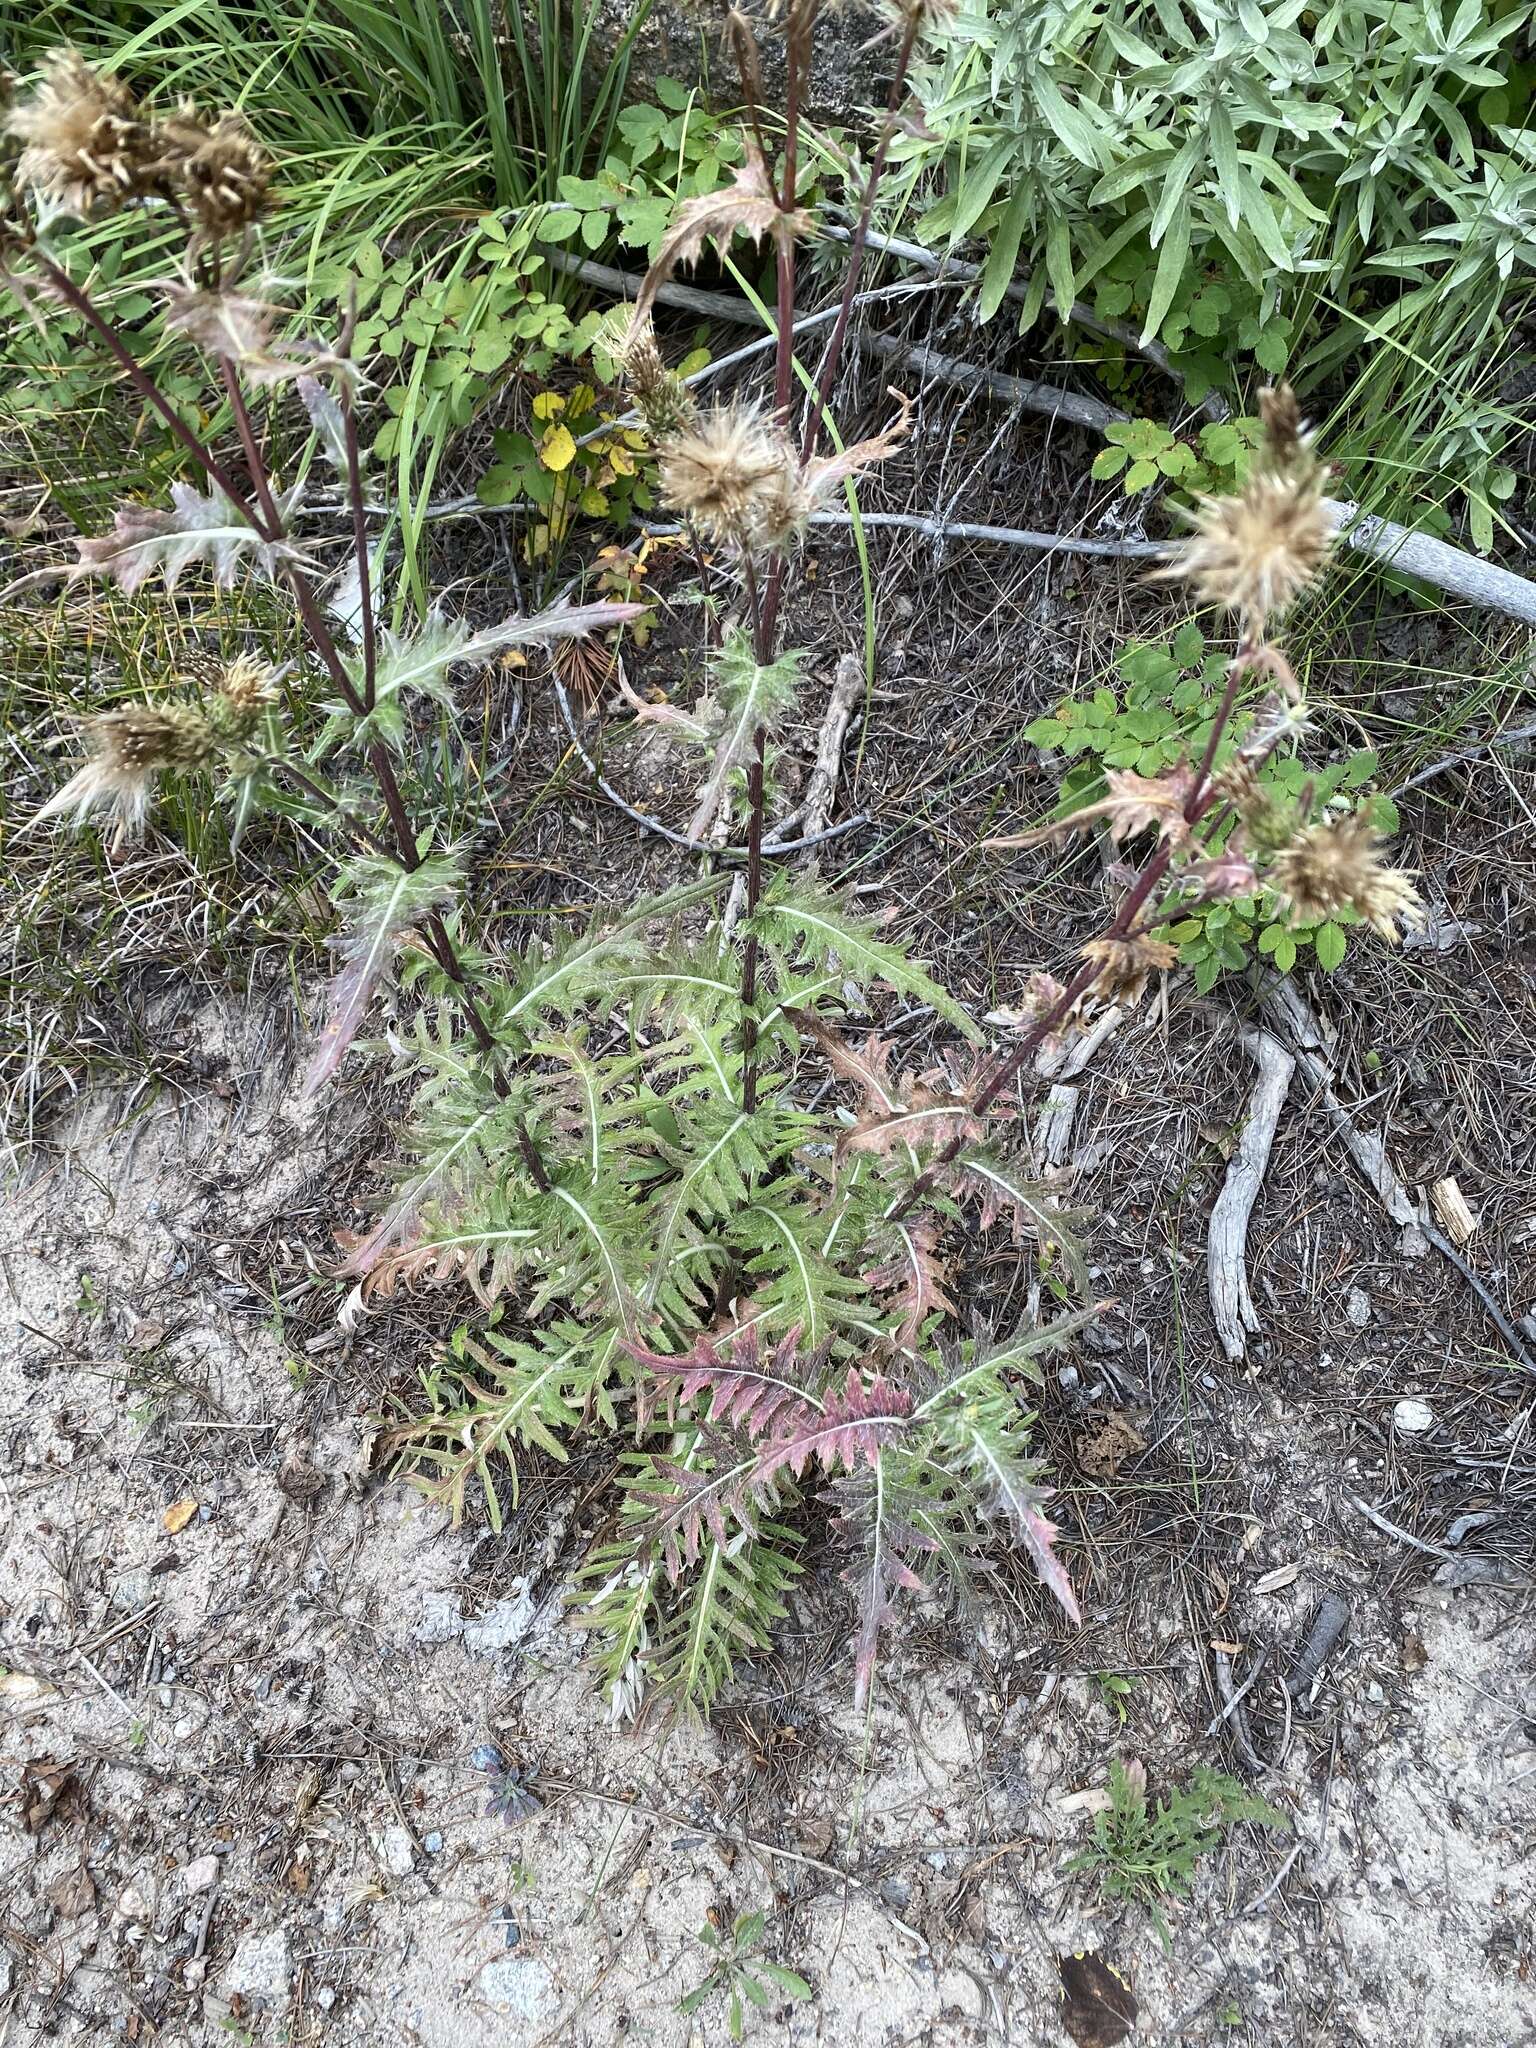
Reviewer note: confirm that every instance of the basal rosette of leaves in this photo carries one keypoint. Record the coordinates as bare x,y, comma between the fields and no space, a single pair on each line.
1161,713
739,1297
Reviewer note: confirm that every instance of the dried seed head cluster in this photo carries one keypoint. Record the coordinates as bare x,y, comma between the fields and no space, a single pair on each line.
1124,965
88,147
1336,865
220,168
129,749
661,397
84,143
1254,554
245,688
735,476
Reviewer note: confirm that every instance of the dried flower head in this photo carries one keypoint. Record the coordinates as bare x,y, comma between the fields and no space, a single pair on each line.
128,750
245,687
84,143
1254,554
220,167
1287,444
1124,966
735,475
1336,865
661,397
1267,822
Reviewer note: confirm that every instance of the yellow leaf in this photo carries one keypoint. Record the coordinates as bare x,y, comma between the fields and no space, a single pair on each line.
593,503
623,462
177,1516
547,404
558,450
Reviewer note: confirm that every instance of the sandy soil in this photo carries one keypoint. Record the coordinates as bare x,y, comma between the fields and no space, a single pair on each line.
252,1682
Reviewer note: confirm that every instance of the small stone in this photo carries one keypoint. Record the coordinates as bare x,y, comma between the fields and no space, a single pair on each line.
202,1875
325,1997
397,1851
1357,1307
520,1986
433,1843
185,1728
1412,1418
261,1967
136,1902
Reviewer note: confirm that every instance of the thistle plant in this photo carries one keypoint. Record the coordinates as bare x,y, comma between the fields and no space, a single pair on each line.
698,1200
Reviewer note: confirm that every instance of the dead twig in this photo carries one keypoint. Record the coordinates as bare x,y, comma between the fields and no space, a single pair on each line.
962,529
1021,391
1226,1253
1512,738
650,824
821,788
1328,1624
1214,406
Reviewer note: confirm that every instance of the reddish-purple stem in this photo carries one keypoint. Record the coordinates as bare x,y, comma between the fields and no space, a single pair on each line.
1197,805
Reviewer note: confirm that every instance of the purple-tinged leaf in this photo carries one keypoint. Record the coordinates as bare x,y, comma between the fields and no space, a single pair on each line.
870,1519
849,1427
402,1216
387,902
145,542
867,1066
744,1391
1012,1496
689,1502
914,1276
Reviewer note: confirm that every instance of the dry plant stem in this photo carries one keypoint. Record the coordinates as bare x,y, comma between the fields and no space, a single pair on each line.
801,24
756,804
439,941
145,385
267,522
827,379
370,636
1202,799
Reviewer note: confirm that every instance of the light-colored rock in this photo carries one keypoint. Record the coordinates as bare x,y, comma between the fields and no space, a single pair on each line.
503,1626
201,1875
136,1901
522,1987
1357,1307
1412,1418
442,1617
261,1967
397,1852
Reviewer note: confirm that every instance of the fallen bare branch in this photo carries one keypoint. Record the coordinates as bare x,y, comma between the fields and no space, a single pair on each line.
821,789
1213,405
1226,1254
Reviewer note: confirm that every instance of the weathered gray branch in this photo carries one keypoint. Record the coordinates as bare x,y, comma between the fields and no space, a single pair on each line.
1434,562
1226,1254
